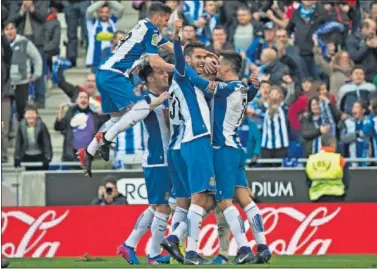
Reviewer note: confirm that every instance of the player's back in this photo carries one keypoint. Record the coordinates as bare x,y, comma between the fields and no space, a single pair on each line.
156,135
134,47
228,108
194,109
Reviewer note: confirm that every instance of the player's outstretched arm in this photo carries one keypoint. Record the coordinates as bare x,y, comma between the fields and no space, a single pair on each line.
179,58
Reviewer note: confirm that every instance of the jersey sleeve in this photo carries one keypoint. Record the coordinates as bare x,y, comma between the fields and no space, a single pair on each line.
163,42
151,41
179,60
199,82
224,89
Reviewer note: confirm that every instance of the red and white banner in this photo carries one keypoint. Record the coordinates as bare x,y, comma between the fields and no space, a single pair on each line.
98,230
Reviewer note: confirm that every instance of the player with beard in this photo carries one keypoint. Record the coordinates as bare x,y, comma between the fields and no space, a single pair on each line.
157,181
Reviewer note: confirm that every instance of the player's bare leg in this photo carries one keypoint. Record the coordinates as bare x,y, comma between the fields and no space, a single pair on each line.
256,222
223,231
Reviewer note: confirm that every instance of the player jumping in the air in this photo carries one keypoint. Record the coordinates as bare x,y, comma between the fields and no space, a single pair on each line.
156,136
115,87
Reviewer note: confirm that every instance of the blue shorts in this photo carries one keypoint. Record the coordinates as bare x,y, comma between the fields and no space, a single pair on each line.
117,91
178,174
158,185
198,156
230,171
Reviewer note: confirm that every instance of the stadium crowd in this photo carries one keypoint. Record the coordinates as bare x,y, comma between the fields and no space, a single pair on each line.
316,62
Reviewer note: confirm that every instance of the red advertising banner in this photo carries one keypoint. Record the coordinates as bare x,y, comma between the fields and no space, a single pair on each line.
98,230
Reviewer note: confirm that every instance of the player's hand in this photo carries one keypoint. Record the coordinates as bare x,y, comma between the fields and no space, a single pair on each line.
101,192
178,24
163,96
212,64
212,87
254,79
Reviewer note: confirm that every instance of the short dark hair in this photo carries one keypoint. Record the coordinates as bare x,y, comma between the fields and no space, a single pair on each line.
158,8
31,107
6,23
265,82
145,72
189,48
234,59
110,179
357,67
189,25
244,8
327,140
220,27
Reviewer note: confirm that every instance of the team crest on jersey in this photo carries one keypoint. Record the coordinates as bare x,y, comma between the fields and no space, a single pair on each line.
212,182
155,39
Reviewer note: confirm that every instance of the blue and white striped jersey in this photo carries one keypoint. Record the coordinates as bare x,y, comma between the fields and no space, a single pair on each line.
189,89
176,120
156,136
228,108
276,129
144,39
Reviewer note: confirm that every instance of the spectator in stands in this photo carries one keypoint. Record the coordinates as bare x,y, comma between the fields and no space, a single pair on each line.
118,35
7,95
277,16
89,87
339,69
257,107
102,17
5,7
362,48
353,133
275,135
75,16
207,23
288,61
219,40
33,143
241,32
317,123
25,55
293,52
373,11
108,193
305,20
357,90
193,11
273,68
51,33
29,17
298,105
371,129
78,124
188,34
254,51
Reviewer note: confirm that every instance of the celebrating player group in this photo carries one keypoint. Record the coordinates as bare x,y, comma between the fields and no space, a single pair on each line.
194,155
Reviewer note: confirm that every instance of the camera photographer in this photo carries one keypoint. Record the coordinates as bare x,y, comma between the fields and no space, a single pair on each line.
108,193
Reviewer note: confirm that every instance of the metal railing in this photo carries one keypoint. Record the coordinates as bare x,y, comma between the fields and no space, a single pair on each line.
259,161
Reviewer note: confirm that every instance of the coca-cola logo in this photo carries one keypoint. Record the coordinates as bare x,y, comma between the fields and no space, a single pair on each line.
302,240
32,240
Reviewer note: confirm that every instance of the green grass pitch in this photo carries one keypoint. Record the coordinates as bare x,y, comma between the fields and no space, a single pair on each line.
352,261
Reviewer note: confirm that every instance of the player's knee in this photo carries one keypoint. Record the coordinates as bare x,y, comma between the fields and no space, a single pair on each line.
242,196
183,203
224,204
165,209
